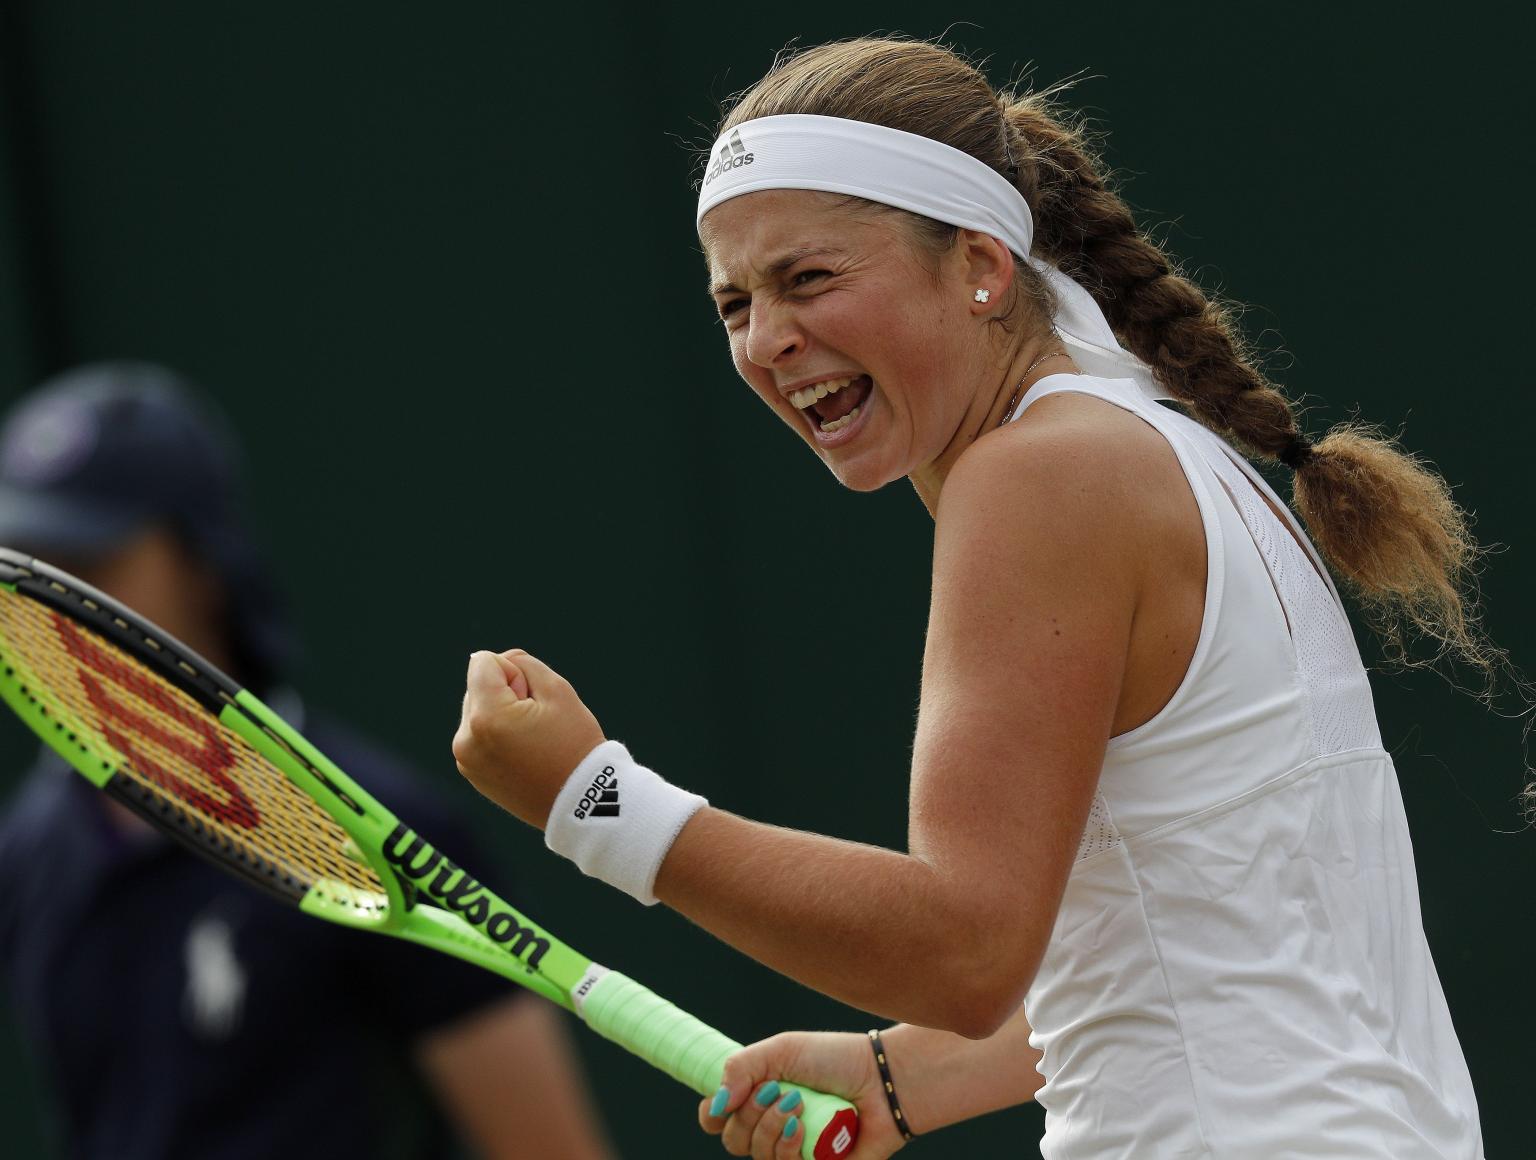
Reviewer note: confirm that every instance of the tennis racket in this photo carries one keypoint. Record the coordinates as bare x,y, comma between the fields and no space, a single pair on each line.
163,732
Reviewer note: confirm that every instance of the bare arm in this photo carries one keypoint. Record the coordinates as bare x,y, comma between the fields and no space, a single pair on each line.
942,1078
939,1078
1045,544
509,1080
1021,682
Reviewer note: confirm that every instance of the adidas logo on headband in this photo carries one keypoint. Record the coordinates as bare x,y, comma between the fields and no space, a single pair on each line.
733,155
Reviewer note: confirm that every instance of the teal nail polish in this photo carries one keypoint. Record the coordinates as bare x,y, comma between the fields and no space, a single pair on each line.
790,1102
768,1093
717,1105
791,1126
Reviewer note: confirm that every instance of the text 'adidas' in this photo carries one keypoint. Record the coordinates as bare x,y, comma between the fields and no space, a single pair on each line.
733,155
601,799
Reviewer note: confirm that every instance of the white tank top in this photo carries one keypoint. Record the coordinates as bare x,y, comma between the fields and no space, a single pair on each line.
1239,968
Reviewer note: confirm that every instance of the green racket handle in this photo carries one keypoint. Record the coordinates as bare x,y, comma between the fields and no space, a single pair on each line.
694,1053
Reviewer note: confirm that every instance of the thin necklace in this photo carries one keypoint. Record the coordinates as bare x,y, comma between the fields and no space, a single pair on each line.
1014,401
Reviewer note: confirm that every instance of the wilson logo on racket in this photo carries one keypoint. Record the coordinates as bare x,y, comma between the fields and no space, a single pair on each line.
136,734
601,799
453,889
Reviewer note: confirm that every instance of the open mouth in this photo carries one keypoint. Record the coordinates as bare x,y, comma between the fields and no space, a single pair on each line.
834,404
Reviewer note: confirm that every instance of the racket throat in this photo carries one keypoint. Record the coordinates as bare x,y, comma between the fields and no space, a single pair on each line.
422,870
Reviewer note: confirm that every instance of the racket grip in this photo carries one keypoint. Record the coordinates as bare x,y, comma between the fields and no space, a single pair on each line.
694,1053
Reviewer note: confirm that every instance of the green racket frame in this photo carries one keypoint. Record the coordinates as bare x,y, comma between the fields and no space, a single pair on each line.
427,899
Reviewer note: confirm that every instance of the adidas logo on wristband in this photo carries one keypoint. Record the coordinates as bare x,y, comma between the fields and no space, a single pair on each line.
601,799
625,852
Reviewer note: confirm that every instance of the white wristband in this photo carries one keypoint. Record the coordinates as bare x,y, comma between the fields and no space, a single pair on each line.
616,819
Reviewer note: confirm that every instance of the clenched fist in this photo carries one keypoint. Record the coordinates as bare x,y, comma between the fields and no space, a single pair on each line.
522,732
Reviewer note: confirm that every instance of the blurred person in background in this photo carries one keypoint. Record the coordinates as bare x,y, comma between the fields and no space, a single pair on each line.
175,1011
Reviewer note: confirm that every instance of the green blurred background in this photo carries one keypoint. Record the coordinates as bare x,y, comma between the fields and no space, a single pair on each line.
439,265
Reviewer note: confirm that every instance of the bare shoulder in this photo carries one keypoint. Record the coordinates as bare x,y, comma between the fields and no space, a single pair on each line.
1071,461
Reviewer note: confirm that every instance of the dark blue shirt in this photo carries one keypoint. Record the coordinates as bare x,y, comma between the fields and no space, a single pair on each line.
177,1012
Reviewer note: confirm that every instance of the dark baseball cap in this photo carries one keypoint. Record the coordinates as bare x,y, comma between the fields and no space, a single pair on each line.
103,451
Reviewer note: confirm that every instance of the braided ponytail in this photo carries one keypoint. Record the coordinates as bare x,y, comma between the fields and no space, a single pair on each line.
1383,519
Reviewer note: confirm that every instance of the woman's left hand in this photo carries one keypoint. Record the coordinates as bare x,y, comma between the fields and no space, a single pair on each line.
523,730
766,1127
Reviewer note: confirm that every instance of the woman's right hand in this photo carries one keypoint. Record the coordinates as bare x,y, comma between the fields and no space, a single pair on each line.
752,1115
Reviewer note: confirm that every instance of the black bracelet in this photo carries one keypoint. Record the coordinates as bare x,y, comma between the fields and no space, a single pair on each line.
890,1088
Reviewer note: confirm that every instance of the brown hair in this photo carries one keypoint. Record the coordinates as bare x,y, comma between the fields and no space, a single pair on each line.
1384,520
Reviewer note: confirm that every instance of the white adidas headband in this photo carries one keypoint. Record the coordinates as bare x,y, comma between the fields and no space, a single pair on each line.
922,176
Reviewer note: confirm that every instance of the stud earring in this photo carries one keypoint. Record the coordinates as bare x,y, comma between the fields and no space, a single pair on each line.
983,295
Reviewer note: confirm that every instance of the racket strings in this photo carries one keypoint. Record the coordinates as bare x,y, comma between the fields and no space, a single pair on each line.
177,754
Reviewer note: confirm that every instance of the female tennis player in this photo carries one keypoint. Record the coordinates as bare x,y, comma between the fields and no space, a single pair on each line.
1159,876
